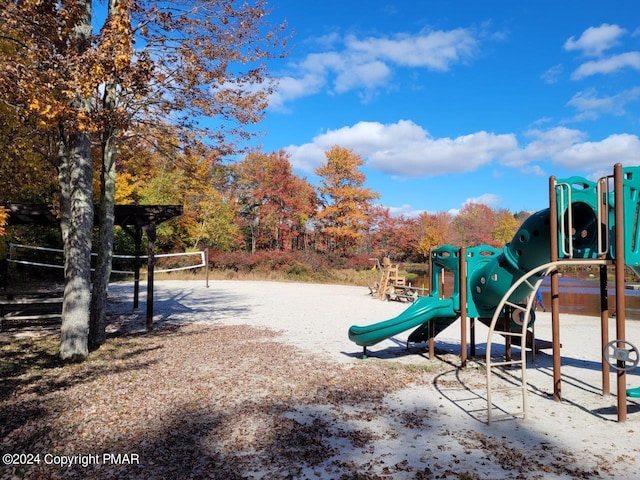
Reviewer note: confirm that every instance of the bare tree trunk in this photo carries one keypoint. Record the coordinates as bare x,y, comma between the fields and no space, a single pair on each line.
65,184
102,272
255,221
77,290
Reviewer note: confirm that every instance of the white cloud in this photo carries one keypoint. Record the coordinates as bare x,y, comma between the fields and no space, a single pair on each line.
488,199
552,75
436,50
290,88
367,75
405,149
406,211
591,156
569,149
595,40
369,63
591,105
607,65
545,145
306,157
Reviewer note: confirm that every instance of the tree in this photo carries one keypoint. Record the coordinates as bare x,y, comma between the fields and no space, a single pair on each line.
505,228
474,225
84,87
346,203
275,203
160,173
33,178
392,236
434,230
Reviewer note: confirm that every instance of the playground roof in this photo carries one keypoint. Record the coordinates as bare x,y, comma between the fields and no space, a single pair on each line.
125,215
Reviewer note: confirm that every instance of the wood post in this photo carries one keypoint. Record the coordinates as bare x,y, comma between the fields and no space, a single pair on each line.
151,237
463,306
604,327
555,296
620,286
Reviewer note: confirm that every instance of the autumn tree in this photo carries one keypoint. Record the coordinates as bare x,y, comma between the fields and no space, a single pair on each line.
33,179
195,60
393,236
474,225
48,81
434,230
505,227
275,203
345,202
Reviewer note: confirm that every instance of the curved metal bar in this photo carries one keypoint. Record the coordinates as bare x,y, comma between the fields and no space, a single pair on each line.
547,268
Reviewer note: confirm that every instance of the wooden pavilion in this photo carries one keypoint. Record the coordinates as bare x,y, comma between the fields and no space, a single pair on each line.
134,219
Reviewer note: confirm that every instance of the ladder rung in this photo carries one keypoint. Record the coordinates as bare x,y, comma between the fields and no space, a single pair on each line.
506,362
510,334
506,416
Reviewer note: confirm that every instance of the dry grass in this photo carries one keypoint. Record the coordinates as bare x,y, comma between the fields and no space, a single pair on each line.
336,276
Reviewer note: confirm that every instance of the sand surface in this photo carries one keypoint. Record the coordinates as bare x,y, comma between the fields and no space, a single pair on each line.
582,430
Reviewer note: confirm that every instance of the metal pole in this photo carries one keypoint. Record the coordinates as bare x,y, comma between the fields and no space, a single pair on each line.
555,296
506,327
620,285
472,336
463,306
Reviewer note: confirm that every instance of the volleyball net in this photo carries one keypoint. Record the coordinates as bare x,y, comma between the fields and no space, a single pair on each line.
47,257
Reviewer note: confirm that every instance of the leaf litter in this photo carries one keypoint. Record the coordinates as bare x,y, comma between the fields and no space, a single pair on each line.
232,402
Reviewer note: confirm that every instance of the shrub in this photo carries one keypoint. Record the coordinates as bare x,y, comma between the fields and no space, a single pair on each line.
294,265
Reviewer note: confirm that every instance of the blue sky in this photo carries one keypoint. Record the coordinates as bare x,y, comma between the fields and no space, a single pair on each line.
450,102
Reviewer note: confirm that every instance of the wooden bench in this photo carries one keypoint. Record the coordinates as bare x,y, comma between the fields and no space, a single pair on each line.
27,310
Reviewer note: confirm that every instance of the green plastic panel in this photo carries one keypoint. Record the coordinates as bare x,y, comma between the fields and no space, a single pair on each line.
579,197
631,193
477,258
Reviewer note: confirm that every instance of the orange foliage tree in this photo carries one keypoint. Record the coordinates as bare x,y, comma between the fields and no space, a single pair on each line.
345,203
434,230
505,227
474,225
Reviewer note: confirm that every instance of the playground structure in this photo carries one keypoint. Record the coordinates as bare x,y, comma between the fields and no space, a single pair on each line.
587,223
393,285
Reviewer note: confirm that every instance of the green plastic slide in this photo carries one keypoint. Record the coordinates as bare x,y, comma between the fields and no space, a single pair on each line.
633,392
423,310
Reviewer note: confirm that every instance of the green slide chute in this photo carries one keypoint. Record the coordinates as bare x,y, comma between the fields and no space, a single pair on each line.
424,309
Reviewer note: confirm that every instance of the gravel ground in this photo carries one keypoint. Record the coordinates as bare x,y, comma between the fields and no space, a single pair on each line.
259,380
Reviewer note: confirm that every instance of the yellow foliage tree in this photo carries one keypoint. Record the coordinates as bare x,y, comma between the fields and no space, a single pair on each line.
434,231
506,226
346,203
